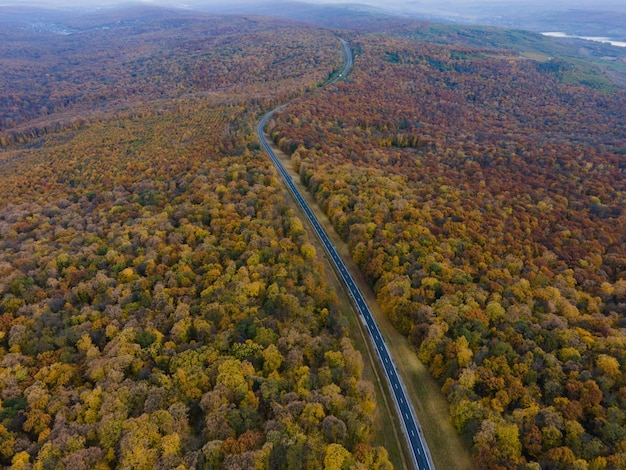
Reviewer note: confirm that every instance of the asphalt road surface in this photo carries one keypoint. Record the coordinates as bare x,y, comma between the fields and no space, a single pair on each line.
413,433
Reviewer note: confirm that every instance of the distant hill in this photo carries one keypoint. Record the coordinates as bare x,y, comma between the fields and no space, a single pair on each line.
579,22
343,16
80,20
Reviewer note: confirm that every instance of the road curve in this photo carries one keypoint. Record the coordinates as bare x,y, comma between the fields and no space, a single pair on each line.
347,66
413,433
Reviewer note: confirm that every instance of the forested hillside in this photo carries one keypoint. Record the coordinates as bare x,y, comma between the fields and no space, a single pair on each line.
482,193
50,80
161,304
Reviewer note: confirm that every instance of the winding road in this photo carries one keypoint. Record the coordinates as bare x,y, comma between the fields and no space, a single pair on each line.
413,433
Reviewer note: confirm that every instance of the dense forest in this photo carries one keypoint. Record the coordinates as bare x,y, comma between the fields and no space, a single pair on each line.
482,192
161,304
49,81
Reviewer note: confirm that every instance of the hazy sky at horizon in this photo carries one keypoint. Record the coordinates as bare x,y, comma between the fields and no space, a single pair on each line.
413,4
480,11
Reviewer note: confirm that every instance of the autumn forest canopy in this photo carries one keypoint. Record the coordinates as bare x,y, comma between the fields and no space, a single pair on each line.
482,193
163,306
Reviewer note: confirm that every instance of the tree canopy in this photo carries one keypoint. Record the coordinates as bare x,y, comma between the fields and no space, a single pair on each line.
482,195
162,305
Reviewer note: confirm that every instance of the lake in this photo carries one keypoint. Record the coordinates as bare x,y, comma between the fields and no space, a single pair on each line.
556,34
